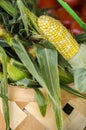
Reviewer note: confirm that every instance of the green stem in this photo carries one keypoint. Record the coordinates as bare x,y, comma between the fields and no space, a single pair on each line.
4,90
73,14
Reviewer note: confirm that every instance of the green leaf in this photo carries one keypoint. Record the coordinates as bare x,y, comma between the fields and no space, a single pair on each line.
7,6
3,43
4,89
80,79
27,83
27,62
81,38
46,73
24,57
29,19
41,100
23,15
19,65
3,58
72,91
65,76
78,63
32,5
47,59
16,70
4,20
79,60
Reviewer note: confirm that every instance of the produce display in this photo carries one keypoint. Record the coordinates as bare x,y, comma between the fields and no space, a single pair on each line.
39,48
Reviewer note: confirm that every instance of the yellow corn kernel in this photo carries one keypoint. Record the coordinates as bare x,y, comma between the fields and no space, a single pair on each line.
53,31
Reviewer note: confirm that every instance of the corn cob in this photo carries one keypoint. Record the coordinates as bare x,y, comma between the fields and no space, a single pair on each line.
53,31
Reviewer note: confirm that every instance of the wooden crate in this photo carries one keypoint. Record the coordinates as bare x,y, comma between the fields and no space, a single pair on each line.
25,114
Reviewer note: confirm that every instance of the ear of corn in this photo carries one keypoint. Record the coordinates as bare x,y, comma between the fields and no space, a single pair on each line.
53,31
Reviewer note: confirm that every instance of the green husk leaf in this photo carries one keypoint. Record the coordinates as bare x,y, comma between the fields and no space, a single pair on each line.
3,43
78,63
11,69
65,76
28,18
81,38
79,60
1,74
46,74
4,19
41,100
26,83
19,65
47,59
4,89
72,91
7,6
23,15
80,79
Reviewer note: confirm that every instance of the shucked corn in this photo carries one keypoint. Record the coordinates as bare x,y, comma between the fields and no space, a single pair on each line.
53,31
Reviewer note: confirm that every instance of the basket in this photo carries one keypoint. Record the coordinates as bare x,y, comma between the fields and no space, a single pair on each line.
25,114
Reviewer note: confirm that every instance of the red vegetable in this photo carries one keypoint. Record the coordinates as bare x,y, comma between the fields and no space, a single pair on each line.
83,10
73,3
47,4
51,12
64,17
75,27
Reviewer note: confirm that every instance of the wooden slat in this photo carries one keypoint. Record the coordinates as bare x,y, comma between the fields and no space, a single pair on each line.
48,121
79,104
75,121
19,94
16,115
2,122
66,97
21,104
30,123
